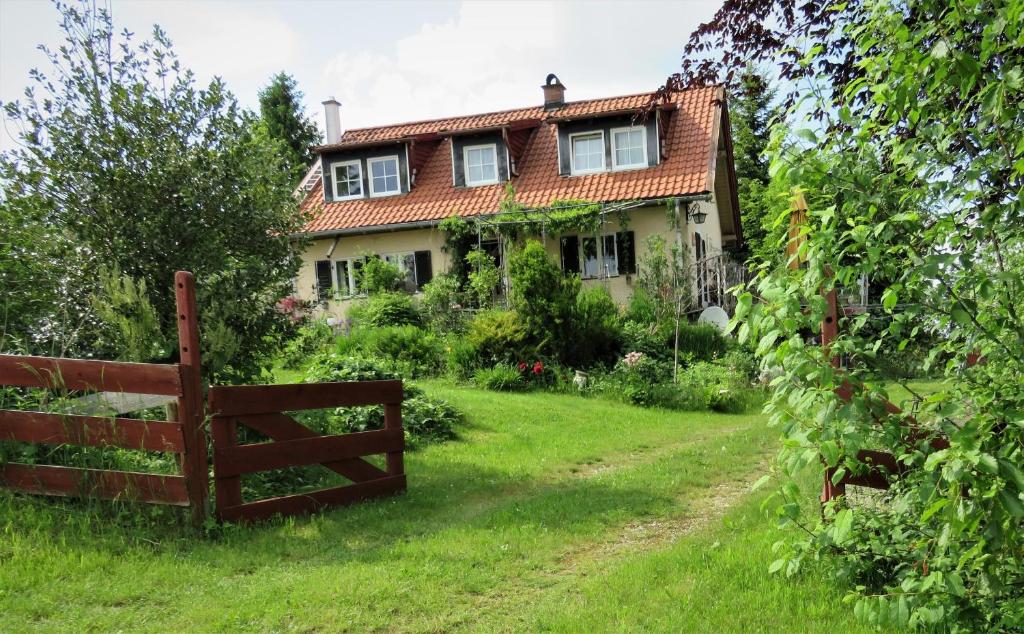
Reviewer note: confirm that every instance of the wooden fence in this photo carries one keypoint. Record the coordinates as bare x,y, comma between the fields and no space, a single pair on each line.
183,436
880,466
262,407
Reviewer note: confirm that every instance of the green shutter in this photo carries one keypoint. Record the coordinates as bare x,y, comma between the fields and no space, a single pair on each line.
424,272
570,254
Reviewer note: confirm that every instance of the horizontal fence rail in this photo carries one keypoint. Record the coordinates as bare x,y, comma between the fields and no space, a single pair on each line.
262,407
95,376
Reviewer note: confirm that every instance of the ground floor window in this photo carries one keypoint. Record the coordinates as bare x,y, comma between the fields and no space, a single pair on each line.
607,255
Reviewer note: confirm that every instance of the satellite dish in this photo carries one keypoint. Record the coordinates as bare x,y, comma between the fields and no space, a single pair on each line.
714,315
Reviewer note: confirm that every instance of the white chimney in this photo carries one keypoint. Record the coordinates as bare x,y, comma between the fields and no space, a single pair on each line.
332,120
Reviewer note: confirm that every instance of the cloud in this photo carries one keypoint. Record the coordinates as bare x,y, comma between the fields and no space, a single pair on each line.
495,55
462,64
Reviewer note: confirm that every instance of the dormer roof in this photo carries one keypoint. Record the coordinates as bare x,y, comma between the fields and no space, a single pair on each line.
690,123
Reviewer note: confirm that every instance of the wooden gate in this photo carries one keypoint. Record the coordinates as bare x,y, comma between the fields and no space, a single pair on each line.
262,407
183,436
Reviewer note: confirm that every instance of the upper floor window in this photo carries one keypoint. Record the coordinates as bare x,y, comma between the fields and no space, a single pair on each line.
348,180
481,164
587,152
629,148
383,176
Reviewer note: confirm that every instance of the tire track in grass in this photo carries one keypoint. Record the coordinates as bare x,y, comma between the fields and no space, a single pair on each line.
699,506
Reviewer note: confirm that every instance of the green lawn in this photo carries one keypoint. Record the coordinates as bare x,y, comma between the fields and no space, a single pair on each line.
550,513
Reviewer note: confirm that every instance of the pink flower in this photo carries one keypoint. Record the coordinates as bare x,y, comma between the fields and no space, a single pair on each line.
522,366
538,367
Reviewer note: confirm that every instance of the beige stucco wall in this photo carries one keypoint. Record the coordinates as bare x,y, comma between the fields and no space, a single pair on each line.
644,222
354,246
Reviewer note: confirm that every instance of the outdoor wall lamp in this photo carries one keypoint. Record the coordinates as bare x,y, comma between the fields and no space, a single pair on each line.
698,216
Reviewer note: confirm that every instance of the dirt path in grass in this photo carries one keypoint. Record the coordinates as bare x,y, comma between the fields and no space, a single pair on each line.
699,508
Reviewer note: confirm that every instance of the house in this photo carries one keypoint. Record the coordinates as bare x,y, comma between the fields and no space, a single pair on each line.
384,190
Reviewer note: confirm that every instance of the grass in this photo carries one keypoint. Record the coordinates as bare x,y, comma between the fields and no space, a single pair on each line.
550,513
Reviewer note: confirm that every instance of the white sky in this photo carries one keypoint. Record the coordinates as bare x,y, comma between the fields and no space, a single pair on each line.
389,62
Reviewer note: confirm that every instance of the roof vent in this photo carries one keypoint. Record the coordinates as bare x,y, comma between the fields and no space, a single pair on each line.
554,93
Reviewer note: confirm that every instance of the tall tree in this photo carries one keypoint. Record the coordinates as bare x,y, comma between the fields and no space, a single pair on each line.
751,111
145,172
282,116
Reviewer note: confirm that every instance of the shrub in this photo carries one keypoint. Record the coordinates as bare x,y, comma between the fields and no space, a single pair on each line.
543,297
703,342
310,339
424,418
637,375
441,303
408,349
706,385
597,331
502,378
649,338
386,309
499,336
380,276
484,277
462,358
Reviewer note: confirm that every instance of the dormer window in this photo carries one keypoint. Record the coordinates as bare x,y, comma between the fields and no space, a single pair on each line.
587,152
629,148
348,180
383,176
481,163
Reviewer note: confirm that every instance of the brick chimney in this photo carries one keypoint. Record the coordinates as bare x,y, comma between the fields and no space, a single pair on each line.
332,121
554,93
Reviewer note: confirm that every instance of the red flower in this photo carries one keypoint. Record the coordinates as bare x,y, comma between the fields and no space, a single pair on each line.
538,367
522,366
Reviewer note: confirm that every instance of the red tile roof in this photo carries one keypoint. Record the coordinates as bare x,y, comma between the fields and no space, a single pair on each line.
433,197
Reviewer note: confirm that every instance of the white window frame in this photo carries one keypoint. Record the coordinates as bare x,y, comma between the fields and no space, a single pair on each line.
351,282
334,179
493,147
602,272
643,147
398,175
572,153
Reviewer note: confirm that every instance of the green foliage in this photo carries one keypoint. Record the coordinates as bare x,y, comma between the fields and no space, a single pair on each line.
483,279
458,240
282,115
702,342
502,377
140,169
462,358
409,350
499,336
664,281
425,419
123,304
652,339
913,176
311,339
441,303
386,309
377,275
751,113
597,329
543,297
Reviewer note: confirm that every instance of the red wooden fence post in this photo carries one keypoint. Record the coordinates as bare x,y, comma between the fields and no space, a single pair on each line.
393,420
829,332
190,404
